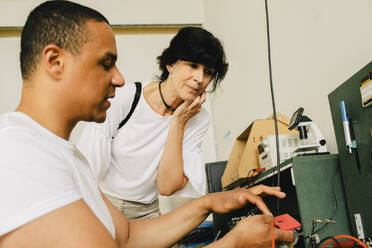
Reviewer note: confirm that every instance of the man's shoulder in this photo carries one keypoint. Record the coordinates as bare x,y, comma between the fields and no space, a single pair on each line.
13,128
22,142
10,119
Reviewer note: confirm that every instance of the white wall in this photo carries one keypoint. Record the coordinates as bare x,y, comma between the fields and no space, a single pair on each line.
316,45
10,74
118,12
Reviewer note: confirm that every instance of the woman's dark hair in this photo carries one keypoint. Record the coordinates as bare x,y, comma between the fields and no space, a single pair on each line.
196,45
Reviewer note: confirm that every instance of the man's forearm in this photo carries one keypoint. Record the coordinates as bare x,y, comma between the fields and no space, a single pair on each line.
227,241
166,230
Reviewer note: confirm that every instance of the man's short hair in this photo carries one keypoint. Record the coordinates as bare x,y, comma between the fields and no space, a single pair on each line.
54,22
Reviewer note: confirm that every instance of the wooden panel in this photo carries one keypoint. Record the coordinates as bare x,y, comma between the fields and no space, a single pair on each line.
118,29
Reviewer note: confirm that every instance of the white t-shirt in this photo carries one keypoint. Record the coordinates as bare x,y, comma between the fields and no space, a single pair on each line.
126,166
41,172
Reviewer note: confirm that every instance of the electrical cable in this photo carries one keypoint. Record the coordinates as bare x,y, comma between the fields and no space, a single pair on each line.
217,235
311,243
338,245
250,177
344,237
273,103
332,217
272,237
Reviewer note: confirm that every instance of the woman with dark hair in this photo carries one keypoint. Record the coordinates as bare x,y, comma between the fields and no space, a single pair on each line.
157,151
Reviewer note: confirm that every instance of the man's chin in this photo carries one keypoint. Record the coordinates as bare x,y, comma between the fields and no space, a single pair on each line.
99,118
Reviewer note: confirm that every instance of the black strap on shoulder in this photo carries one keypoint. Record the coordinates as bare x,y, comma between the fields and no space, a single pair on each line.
134,104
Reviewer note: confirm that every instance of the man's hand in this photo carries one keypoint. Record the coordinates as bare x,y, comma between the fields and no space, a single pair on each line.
263,190
224,202
257,232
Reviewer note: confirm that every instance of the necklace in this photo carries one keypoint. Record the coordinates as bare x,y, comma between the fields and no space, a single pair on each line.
162,98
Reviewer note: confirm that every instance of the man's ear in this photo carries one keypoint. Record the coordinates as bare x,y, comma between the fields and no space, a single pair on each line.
53,60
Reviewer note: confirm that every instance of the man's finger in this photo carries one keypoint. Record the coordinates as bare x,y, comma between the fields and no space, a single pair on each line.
274,191
268,219
262,206
262,190
259,203
285,236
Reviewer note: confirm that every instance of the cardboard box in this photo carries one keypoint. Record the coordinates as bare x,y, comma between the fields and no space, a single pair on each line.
244,155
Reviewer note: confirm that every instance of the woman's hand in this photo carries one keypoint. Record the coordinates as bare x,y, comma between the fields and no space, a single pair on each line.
188,109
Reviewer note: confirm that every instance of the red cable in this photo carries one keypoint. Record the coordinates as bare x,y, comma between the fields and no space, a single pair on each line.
344,244
272,237
345,237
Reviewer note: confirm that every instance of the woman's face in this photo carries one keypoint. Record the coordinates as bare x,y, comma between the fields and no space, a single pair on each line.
189,79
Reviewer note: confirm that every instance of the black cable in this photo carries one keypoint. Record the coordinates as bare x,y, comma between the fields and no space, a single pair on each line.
253,179
313,231
249,177
249,172
273,102
332,217
335,201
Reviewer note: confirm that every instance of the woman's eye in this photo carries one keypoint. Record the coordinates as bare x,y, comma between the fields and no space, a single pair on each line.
208,72
194,65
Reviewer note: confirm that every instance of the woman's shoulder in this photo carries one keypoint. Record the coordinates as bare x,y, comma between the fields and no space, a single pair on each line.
200,121
203,115
130,88
127,89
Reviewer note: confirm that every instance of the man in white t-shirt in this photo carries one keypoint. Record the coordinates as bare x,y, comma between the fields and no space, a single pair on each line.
49,197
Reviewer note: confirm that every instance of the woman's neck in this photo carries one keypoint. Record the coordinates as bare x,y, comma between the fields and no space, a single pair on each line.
153,98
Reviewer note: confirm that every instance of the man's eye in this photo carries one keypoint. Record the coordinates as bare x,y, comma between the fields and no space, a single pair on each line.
106,66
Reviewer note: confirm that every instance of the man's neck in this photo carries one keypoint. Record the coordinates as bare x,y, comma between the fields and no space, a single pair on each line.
47,115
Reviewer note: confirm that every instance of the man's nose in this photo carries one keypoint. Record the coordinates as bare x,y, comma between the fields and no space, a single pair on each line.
118,79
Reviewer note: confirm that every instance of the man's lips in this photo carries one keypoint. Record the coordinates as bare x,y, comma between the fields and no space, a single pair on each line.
110,96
